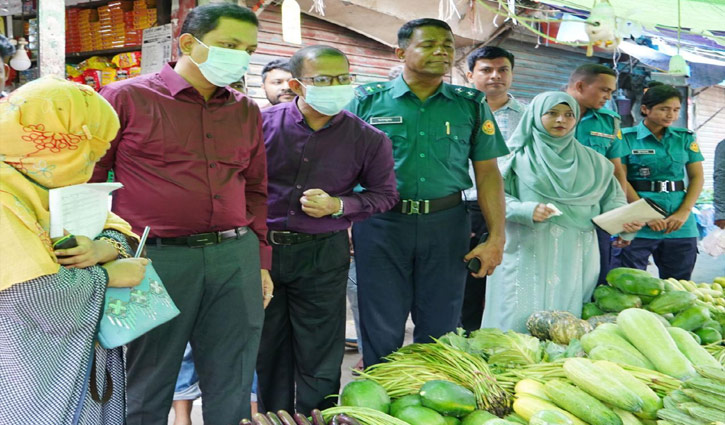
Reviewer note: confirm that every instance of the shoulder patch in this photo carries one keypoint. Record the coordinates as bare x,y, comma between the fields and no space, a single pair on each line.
619,135
694,146
488,127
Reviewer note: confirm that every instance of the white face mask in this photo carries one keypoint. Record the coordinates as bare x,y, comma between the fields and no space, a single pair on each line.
329,100
223,66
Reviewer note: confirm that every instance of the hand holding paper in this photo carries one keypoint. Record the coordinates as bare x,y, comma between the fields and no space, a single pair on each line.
628,217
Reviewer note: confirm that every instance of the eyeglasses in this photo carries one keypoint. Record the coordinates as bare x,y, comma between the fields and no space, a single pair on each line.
326,80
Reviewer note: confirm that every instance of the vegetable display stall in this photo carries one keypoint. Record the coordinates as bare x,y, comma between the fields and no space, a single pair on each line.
636,360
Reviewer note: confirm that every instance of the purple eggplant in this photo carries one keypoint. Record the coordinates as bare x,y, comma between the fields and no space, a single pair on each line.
317,418
273,418
285,417
343,419
260,419
301,419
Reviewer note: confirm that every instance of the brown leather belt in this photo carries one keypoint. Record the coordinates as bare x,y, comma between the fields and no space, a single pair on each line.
427,206
200,239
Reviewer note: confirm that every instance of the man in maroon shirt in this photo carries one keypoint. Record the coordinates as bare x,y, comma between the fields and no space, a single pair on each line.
191,157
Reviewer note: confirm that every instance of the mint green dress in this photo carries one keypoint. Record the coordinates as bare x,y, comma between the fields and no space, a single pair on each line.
551,265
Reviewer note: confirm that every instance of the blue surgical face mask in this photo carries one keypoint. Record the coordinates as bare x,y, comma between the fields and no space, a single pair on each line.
223,66
329,100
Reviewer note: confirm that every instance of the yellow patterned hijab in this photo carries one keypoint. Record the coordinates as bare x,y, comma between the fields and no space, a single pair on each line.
52,132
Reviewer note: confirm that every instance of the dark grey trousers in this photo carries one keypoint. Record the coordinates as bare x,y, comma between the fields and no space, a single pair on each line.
304,329
218,290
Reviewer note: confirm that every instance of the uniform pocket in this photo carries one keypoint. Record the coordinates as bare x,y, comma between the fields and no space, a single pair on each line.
452,143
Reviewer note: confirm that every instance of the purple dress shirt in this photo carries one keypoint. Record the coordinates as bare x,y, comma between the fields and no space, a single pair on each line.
336,158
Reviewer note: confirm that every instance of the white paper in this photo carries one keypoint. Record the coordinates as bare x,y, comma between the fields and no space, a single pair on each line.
612,221
80,209
155,48
556,212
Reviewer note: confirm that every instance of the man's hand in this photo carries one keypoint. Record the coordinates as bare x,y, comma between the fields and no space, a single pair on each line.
720,223
267,287
317,203
658,225
88,253
490,253
674,222
542,212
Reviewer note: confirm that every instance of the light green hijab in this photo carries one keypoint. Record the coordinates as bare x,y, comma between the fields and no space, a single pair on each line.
557,168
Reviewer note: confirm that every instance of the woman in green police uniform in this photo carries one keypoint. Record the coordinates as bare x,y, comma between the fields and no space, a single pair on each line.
658,156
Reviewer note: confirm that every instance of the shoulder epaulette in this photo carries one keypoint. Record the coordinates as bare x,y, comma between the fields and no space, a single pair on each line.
629,130
468,93
682,130
372,88
605,111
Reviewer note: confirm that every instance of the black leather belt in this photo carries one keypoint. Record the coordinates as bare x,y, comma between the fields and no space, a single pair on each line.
657,186
427,206
284,237
200,239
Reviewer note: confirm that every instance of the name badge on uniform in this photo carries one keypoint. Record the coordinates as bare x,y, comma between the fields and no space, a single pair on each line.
644,172
643,151
386,120
605,135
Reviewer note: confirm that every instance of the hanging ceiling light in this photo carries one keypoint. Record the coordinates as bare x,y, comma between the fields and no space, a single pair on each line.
291,22
678,65
20,60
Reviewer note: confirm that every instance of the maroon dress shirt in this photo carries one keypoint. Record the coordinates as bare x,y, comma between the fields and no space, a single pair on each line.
187,165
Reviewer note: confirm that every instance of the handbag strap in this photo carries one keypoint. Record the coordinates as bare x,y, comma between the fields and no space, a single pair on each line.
94,384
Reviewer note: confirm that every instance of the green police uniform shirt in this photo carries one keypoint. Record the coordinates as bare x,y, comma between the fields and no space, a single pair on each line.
650,159
432,140
599,129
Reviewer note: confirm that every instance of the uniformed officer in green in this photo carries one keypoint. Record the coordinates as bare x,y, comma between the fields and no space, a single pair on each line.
599,128
411,259
658,156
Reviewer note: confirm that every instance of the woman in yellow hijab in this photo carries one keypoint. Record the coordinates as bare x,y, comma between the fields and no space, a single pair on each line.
51,134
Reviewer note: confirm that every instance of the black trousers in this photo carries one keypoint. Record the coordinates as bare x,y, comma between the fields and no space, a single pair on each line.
303,339
474,296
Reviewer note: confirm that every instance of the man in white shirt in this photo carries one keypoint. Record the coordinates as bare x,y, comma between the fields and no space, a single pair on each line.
490,71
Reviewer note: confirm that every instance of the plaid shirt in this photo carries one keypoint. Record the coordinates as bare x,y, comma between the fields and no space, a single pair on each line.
719,181
507,118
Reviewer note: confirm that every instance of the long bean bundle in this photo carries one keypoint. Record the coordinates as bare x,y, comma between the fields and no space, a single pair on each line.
363,415
407,369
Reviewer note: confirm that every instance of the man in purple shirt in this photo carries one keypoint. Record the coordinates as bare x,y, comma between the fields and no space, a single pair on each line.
191,157
317,154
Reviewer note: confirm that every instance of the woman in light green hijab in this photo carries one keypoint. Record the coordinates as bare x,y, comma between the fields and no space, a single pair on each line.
551,262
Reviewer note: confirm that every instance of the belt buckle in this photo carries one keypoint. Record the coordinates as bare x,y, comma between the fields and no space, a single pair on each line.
203,239
414,207
664,186
272,234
